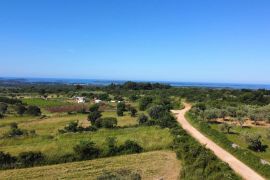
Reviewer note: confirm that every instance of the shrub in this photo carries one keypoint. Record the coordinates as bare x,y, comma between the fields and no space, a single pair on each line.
133,111
73,126
6,160
33,110
119,112
94,116
254,143
156,112
86,150
108,122
20,109
15,131
130,147
28,159
112,146
1,116
142,119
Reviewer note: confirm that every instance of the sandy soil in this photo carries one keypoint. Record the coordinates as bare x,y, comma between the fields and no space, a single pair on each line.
239,167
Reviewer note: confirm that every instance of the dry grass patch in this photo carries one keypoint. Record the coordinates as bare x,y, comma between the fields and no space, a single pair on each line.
151,165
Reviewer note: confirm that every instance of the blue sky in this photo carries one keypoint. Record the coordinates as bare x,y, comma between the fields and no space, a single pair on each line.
175,40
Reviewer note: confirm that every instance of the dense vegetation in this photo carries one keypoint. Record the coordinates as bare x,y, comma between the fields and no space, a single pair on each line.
132,118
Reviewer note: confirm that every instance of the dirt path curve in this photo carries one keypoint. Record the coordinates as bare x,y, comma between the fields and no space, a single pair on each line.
239,167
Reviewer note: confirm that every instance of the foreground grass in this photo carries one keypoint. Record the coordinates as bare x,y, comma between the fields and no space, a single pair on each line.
150,138
151,165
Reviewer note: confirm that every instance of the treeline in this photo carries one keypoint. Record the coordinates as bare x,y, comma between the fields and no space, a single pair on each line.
129,85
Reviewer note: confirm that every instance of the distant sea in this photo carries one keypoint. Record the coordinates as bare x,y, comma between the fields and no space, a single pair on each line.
6,80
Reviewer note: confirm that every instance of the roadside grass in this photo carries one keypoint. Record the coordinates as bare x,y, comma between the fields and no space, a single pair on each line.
150,138
238,137
150,165
245,155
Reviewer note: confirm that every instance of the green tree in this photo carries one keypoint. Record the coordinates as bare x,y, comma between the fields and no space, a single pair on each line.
94,116
86,150
107,122
225,127
20,109
33,110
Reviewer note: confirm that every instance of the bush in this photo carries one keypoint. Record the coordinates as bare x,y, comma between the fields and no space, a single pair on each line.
33,110
20,109
142,119
94,116
133,111
1,116
156,112
112,146
86,150
119,112
28,159
74,127
15,131
6,160
108,122
255,143
130,147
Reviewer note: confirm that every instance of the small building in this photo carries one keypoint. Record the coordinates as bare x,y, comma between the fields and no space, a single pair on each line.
80,99
97,101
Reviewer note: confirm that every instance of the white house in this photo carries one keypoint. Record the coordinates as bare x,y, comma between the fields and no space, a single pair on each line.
97,101
80,99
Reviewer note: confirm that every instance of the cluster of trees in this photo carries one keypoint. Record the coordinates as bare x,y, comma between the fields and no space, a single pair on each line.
74,127
95,117
239,113
20,110
122,107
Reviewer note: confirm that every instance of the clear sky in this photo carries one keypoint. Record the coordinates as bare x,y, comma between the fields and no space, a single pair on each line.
175,40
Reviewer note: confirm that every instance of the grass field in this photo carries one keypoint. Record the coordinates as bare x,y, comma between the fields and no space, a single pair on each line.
151,165
150,138
42,103
238,137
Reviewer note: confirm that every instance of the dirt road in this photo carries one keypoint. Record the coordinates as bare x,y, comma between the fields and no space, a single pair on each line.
239,167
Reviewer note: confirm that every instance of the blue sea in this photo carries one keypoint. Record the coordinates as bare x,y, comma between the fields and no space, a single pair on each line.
107,82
